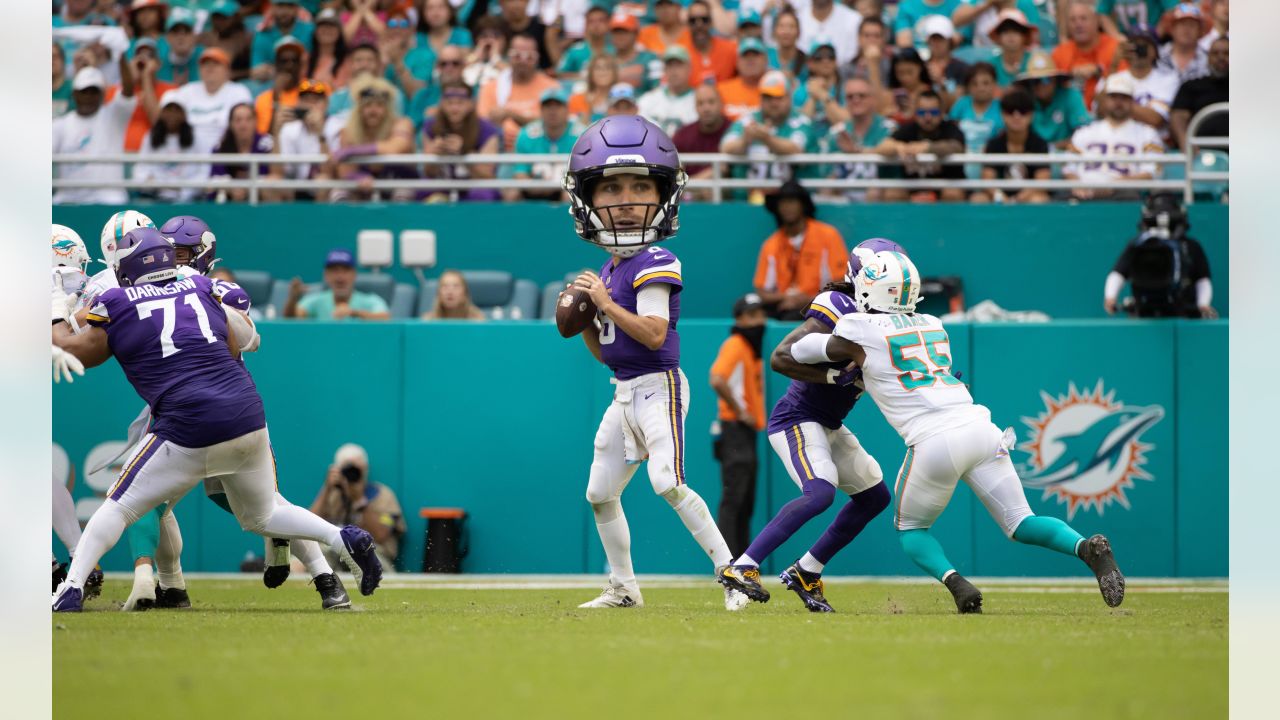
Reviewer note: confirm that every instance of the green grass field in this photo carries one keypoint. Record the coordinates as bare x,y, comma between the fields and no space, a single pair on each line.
894,651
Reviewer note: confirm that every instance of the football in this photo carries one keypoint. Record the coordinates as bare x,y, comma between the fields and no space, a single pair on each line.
574,312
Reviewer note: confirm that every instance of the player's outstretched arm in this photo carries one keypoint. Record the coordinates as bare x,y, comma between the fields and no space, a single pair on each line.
783,362
90,347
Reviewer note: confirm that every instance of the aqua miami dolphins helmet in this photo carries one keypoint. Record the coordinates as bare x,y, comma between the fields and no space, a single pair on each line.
68,249
624,144
887,283
116,228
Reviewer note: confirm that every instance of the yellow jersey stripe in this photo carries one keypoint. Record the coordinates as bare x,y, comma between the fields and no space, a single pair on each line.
830,315
640,279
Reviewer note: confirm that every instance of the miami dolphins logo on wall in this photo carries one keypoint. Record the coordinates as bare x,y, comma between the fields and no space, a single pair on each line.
1086,449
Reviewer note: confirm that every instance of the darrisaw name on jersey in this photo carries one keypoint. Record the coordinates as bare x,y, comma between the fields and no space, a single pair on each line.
136,292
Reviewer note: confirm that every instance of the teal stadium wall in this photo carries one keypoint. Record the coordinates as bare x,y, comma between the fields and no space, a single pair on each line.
1051,258
498,418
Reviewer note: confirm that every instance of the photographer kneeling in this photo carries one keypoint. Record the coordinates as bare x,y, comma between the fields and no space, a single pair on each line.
349,498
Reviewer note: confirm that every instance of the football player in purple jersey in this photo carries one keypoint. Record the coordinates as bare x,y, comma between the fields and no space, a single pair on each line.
624,183
172,338
806,430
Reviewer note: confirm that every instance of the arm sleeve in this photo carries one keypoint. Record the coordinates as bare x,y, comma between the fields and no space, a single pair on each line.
811,349
1115,283
1204,292
654,301
243,327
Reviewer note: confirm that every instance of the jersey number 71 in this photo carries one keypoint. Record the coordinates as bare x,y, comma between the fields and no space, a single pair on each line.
921,369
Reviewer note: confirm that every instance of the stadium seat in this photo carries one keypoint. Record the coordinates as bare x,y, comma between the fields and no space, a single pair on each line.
403,300
257,283
378,284
495,292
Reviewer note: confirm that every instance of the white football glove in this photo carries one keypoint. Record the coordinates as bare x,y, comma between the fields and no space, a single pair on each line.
61,304
64,363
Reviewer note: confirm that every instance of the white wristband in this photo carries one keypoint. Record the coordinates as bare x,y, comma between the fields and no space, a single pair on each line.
832,374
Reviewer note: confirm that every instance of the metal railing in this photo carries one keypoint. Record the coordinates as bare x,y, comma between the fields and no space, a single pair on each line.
717,185
1194,143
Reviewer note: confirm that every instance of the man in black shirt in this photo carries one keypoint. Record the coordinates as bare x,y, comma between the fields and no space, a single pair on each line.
1167,271
1195,95
928,133
1017,138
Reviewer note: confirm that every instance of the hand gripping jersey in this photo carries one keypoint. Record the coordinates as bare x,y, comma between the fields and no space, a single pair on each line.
171,342
827,405
622,353
908,373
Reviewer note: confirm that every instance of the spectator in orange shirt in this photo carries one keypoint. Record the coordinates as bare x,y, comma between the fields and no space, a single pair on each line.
1090,54
145,64
737,376
741,94
277,106
713,58
667,31
799,258
511,100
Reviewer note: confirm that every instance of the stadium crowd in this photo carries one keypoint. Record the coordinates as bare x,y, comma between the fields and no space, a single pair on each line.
912,80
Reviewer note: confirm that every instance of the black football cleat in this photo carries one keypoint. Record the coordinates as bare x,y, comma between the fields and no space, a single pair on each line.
968,598
93,583
1096,553
332,595
172,598
277,569
808,587
743,578
59,574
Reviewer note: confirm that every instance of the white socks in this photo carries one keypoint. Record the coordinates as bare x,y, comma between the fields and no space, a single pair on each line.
746,560
697,519
65,523
309,553
810,564
295,523
100,535
615,535
169,553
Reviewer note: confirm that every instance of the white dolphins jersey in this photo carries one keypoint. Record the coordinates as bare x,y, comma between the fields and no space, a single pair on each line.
907,372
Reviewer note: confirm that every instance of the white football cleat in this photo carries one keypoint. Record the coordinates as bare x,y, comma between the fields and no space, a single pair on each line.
734,600
618,596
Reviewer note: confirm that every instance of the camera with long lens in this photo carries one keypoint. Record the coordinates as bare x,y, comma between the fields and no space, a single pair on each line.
352,473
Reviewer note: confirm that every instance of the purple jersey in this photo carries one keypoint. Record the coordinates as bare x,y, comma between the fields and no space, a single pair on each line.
622,353
804,402
171,342
230,295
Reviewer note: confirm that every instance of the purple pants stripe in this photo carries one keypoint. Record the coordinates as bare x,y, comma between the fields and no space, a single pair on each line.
135,466
677,423
800,461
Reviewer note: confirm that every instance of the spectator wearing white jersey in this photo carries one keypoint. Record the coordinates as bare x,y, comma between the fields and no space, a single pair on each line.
1115,134
1153,87
209,100
671,106
94,129
829,19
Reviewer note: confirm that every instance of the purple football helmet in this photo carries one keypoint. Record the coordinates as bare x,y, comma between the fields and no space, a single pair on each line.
192,233
867,249
145,256
624,144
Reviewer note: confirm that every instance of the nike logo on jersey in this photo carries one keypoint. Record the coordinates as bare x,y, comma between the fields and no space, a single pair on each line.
646,397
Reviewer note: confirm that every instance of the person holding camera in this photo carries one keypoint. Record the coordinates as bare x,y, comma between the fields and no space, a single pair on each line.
1154,87
1167,271
351,498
